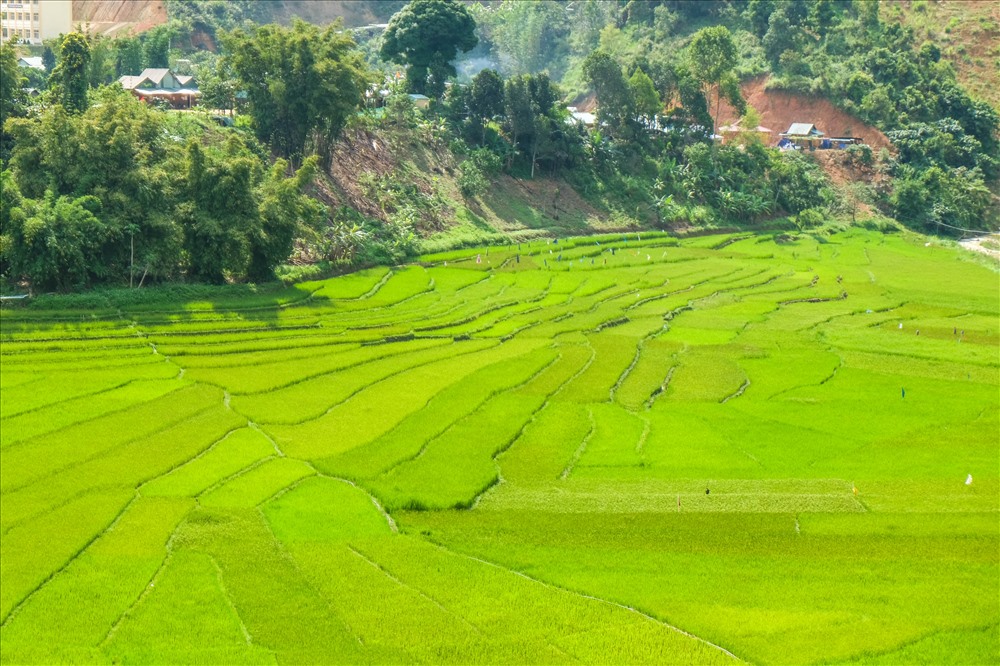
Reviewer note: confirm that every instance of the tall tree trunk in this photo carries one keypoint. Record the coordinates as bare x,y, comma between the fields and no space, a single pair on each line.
718,105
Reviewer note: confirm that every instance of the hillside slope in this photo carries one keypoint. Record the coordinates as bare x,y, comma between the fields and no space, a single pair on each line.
112,17
383,173
968,34
779,108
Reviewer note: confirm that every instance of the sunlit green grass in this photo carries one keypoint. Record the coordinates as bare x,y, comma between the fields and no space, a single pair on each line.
619,449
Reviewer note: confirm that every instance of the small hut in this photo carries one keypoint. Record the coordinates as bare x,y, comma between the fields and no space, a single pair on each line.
801,135
736,132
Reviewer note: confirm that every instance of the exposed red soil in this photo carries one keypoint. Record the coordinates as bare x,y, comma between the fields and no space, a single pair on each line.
779,109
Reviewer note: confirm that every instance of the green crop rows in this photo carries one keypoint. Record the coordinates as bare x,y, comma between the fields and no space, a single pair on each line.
607,450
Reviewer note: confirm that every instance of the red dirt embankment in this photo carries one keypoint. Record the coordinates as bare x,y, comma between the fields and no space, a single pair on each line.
778,109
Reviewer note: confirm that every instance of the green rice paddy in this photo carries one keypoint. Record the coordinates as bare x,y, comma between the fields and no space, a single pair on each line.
604,450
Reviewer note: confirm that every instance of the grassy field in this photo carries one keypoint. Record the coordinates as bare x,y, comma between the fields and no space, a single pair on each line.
615,449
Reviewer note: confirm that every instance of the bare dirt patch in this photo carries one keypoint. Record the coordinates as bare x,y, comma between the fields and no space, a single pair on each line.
113,17
779,109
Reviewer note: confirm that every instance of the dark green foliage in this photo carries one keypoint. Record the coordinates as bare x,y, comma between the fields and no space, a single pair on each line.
101,69
781,36
713,57
486,95
71,74
284,213
758,13
535,125
104,197
747,183
302,84
11,102
943,143
647,100
156,47
615,98
129,57
426,36
940,200
56,242
48,58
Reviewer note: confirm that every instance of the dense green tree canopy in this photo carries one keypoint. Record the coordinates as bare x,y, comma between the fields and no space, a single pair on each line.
426,36
302,84
71,74
10,83
647,100
106,197
713,57
615,97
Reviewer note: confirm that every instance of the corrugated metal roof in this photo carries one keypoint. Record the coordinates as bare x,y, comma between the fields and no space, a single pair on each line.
155,74
803,129
131,82
33,62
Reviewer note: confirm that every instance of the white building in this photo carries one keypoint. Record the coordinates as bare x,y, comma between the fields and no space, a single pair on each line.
35,20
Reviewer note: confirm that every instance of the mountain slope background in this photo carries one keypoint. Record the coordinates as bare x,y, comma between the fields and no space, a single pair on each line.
966,31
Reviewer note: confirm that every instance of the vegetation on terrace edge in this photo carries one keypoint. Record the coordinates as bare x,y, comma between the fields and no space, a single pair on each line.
658,70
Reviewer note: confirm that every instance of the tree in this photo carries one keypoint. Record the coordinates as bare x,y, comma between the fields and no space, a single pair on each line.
822,15
284,213
758,12
128,57
857,194
49,58
519,114
100,69
647,100
780,36
615,100
218,86
532,37
156,44
713,56
10,83
486,97
55,242
426,36
218,214
71,73
302,84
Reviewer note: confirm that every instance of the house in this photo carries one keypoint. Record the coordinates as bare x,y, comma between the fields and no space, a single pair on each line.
420,101
581,117
736,130
178,90
33,63
801,135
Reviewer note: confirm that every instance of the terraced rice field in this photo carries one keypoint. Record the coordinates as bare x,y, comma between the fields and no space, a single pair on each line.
611,450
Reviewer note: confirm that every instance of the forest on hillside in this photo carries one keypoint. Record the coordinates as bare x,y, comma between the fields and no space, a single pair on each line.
101,189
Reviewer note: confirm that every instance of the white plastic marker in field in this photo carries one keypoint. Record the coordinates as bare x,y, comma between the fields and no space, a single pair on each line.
968,480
